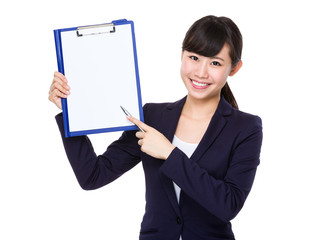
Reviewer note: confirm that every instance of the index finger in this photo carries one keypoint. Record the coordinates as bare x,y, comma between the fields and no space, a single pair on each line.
141,125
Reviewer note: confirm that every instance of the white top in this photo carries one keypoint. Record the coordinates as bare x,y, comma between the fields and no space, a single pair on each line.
188,149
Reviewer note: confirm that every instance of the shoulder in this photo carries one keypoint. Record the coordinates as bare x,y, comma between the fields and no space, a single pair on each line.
238,119
156,108
244,118
164,105
153,112
149,107
243,125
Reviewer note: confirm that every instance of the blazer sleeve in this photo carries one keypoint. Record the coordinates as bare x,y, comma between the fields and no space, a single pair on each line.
94,171
223,198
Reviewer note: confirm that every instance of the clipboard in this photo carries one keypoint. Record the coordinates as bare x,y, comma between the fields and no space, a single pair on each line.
100,63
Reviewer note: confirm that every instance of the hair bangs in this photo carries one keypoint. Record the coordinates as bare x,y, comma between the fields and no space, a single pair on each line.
207,42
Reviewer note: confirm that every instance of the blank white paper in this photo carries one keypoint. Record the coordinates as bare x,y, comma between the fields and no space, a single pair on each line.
101,73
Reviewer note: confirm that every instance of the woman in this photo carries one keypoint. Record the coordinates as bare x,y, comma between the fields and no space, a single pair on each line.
199,154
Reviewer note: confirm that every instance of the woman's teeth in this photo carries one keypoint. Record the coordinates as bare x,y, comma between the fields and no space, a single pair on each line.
200,84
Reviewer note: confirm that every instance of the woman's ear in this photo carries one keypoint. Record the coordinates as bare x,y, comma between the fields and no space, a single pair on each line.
235,69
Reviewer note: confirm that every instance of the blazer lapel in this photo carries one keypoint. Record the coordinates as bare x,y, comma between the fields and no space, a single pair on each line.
169,122
170,118
215,127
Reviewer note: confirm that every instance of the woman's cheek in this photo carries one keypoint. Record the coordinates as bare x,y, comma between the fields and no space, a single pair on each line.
185,68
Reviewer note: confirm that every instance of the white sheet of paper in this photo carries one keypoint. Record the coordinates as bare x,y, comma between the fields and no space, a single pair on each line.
101,73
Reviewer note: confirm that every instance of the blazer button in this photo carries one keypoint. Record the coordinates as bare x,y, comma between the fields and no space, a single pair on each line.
179,221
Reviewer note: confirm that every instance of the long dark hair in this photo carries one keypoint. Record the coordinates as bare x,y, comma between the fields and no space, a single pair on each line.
207,37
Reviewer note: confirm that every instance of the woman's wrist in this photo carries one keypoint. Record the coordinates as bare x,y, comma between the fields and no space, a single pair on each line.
168,151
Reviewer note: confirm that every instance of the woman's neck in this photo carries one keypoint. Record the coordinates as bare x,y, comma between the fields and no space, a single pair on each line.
200,109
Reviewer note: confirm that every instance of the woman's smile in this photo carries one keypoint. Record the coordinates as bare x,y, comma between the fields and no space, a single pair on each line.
199,85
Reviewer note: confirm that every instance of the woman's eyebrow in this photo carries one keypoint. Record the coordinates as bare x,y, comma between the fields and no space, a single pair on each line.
215,57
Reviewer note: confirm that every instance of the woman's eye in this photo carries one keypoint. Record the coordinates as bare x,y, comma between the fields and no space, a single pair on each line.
215,63
194,58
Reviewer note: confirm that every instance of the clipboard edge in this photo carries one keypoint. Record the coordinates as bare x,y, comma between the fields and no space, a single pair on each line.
60,64
141,116
102,130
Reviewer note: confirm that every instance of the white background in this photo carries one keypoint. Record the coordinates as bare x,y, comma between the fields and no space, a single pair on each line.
40,197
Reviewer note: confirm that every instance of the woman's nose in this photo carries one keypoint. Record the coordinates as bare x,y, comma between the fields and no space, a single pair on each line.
202,71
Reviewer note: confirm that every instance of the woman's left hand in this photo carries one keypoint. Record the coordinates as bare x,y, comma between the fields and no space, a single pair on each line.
151,141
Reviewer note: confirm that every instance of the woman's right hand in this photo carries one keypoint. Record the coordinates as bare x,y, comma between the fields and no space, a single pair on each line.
59,89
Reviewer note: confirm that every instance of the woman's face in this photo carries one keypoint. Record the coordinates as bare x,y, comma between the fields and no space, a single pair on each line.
204,77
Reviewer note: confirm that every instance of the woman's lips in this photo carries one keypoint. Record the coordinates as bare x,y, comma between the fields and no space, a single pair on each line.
199,85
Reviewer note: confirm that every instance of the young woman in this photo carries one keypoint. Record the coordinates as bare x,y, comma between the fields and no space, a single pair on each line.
199,154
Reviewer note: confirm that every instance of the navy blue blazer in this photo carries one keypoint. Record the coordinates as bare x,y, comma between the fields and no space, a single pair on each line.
215,180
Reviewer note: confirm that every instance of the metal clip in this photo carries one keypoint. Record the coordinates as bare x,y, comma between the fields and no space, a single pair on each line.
95,29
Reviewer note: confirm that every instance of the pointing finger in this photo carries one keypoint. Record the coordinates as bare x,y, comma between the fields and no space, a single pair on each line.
139,124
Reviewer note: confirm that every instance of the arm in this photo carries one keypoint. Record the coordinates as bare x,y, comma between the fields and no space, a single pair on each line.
94,171
223,198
